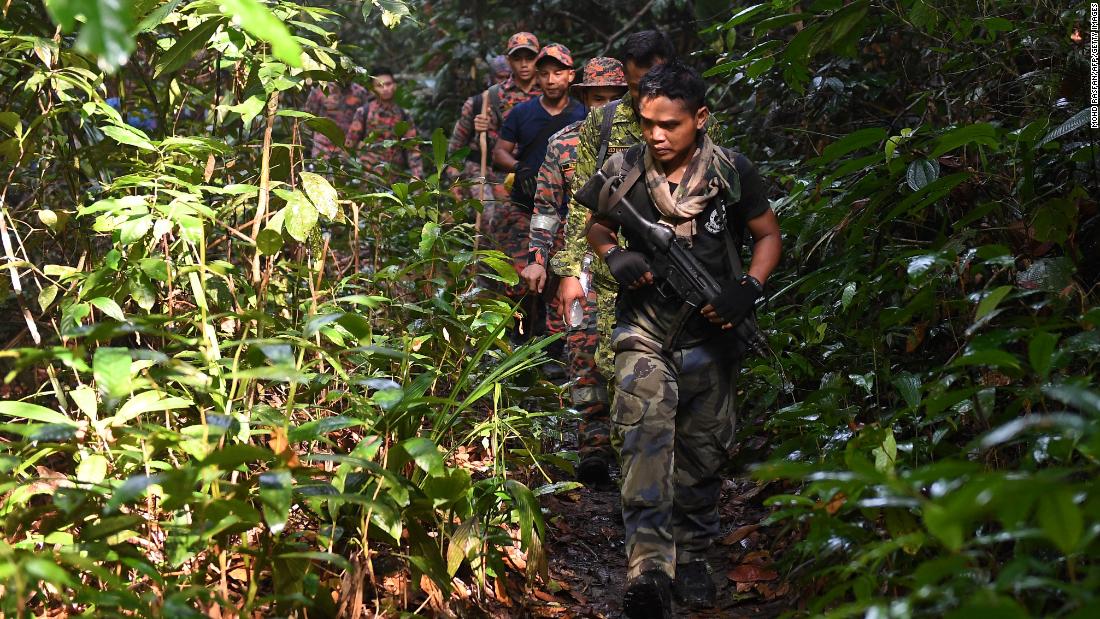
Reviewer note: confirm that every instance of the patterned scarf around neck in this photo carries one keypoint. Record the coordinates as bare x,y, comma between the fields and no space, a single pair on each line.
679,209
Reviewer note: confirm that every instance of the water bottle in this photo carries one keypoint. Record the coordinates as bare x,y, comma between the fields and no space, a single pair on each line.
576,308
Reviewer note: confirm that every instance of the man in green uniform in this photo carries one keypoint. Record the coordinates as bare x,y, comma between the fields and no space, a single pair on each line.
641,51
675,363
602,83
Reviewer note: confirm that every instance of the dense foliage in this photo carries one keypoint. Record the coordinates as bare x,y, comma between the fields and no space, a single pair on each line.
240,379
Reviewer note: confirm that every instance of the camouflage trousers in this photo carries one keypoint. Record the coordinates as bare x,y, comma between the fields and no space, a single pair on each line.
589,395
673,418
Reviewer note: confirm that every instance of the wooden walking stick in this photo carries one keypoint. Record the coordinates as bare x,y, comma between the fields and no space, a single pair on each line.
483,142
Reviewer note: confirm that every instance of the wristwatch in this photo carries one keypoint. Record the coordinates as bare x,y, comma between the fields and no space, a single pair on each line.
614,248
752,281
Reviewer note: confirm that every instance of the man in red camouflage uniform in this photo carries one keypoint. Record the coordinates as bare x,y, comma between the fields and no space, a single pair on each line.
520,86
603,82
464,136
338,104
377,122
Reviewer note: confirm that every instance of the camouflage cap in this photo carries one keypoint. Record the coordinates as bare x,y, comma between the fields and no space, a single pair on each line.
558,52
522,40
602,72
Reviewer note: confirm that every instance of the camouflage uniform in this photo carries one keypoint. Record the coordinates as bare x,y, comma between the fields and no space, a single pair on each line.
338,105
674,409
463,136
377,121
625,132
589,395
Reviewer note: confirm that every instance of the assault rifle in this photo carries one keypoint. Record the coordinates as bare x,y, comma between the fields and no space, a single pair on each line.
678,271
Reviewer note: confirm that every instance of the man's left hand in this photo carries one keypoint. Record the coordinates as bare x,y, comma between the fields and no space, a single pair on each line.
731,307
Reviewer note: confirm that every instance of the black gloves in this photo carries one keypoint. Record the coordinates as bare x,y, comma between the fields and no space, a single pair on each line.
524,180
736,301
626,267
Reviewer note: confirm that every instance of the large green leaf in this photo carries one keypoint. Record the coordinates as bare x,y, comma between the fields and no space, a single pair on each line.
106,30
1061,519
186,46
33,412
257,20
321,194
300,216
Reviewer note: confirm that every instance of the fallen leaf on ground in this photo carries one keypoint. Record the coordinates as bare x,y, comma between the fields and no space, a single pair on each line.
738,534
751,572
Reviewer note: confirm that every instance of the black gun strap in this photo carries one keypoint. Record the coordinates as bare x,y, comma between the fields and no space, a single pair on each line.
605,131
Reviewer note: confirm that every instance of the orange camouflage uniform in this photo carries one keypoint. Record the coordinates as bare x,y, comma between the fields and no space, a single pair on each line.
339,105
372,126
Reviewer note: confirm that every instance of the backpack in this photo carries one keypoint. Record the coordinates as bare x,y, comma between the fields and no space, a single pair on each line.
495,103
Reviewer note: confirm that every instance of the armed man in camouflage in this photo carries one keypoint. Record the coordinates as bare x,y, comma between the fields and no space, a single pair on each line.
377,122
676,363
338,103
607,131
602,83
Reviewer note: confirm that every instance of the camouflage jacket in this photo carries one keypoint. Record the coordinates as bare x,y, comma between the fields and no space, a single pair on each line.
464,135
338,104
553,190
376,122
626,131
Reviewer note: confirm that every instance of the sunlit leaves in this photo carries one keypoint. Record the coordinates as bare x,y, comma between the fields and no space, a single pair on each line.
105,31
256,19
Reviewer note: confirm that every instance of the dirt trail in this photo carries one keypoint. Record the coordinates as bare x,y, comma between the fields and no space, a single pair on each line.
585,548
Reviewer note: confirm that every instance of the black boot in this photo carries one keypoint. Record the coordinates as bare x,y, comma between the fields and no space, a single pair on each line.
648,596
693,586
595,472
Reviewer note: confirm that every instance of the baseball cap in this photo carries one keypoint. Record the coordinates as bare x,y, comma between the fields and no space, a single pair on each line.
522,40
558,52
602,71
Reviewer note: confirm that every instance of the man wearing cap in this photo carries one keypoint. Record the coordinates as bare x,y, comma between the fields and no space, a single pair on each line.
498,101
522,149
464,136
603,82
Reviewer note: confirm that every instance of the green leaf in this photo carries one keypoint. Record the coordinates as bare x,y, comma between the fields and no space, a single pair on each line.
255,19
321,194
47,571
249,108
1078,397
276,489
33,412
989,356
133,230
187,46
155,268
109,307
465,544
886,454
1040,352
849,143
1061,519
943,526
269,242
428,235
125,134
111,368
1080,119
981,133
92,469
439,149
146,402
328,128
314,555
106,30
921,173
46,296
300,217
908,386
425,454
990,301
